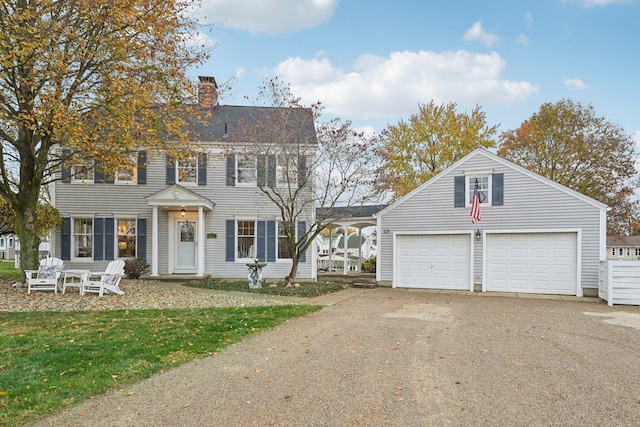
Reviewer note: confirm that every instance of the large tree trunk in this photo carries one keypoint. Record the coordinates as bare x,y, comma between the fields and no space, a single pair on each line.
28,237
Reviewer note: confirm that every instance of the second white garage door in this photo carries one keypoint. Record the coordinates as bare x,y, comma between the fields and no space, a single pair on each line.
433,261
543,263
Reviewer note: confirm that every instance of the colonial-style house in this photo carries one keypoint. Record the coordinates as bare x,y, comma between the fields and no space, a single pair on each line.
200,216
623,248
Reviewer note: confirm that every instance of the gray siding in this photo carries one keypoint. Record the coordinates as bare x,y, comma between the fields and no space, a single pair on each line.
111,200
529,204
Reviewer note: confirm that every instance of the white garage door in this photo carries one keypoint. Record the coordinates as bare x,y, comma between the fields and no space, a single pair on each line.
542,263
434,261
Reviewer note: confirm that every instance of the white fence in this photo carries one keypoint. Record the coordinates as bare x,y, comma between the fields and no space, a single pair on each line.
620,282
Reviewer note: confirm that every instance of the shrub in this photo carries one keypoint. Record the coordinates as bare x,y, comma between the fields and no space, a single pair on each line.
369,265
135,267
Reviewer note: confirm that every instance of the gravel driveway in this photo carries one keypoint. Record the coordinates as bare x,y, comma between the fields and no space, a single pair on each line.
387,357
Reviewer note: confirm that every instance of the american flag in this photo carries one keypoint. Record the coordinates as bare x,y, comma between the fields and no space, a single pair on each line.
475,205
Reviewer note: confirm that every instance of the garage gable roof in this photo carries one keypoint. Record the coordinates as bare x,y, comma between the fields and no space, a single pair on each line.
483,152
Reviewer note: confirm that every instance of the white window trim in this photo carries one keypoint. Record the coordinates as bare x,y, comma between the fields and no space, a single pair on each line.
117,235
134,181
73,239
75,180
467,187
255,239
247,184
183,183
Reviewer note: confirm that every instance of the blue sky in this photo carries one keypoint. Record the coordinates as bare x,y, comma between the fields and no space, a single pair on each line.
373,61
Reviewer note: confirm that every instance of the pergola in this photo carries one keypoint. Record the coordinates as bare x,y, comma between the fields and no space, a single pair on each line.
348,217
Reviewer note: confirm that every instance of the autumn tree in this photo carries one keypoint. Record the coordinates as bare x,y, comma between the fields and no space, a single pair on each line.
569,143
414,151
329,166
47,218
86,79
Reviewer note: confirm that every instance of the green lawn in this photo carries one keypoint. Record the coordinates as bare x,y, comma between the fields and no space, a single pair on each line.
51,360
8,271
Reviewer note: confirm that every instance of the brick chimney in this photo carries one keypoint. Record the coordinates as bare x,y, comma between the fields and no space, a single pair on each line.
207,92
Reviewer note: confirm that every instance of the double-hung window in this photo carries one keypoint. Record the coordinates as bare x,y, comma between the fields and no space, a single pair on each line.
247,170
128,173
126,238
283,247
246,239
187,171
287,172
83,171
83,237
483,187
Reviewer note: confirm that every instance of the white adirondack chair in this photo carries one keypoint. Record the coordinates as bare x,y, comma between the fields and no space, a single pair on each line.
106,281
47,277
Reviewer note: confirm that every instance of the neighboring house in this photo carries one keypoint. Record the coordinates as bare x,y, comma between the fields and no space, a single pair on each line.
200,216
534,236
7,246
623,247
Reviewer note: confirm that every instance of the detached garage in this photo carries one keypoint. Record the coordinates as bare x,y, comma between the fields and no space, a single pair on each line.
534,235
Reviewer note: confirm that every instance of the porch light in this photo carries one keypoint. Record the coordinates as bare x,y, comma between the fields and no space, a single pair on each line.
182,212
478,235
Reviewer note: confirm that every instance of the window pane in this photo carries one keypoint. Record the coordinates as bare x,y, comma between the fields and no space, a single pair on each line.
246,239
246,169
283,247
83,171
126,238
128,171
187,170
83,238
483,188
287,170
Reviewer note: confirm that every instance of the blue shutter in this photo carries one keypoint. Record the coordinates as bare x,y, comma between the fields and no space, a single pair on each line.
202,169
497,190
302,229
142,167
171,171
271,241
65,170
109,235
271,171
302,171
261,241
98,239
65,240
141,235
459,192
231,169
231,240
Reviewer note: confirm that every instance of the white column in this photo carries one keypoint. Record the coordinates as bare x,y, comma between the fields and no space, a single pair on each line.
154,242
345,237
200,246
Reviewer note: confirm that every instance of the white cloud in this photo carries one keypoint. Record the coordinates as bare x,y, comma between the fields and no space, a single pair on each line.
523,40
592,3
268,16
381,87
574,83
476,32
528,17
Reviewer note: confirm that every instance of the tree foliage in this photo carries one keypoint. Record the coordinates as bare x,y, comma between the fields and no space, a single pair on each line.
98,78
48,218
569,143
414,151
338,165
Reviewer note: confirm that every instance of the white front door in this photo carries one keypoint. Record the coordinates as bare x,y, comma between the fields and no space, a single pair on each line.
185,247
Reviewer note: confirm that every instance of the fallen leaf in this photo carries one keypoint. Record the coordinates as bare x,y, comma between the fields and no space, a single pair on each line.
4,393
442,357
119,408
187,405
421,379
272,422
246,377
